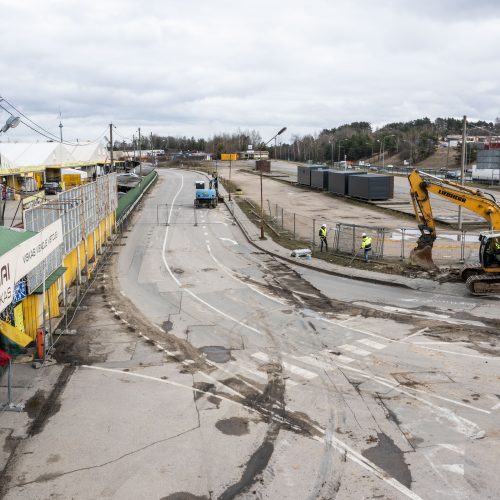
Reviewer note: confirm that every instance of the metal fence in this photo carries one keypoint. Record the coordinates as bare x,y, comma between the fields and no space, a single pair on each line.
450,248
80,210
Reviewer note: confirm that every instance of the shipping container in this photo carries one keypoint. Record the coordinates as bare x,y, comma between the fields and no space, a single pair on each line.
263,165
319,178
304,174
371,187
338,182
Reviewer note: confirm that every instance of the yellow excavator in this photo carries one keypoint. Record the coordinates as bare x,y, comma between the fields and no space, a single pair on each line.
480,280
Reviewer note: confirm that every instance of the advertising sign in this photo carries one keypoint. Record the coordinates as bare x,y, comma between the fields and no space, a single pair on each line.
25,257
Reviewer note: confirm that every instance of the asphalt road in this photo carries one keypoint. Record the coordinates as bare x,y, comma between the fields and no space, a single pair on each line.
212,370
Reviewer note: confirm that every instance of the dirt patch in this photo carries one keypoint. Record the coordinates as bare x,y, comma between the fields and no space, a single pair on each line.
235,426
35,403
51,404
184,495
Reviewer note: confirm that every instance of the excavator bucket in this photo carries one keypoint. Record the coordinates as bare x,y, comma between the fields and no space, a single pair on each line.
421,256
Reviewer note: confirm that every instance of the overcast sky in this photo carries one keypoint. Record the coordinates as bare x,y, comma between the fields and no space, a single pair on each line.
199,67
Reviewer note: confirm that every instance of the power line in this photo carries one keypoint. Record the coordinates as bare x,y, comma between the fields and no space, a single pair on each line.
23,115
50,136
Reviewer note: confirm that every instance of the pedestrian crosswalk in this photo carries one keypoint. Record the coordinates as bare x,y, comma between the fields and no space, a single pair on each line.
295,374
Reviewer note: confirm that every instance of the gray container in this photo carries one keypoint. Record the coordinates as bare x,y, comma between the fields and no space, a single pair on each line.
338,182
304,174
488,158
371,187
319,178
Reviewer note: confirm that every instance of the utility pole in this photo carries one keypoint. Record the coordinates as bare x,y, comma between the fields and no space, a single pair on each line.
60,127
111,146
133,147
140,162
462,170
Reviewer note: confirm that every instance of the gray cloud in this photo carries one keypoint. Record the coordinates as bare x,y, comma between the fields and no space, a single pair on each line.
195,68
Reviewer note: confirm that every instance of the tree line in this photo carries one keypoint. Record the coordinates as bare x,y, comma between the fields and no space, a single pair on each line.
413,140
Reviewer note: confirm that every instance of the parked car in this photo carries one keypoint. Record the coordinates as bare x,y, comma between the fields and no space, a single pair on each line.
452,175
52,188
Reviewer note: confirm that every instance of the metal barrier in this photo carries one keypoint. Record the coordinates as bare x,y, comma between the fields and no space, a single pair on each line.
451,247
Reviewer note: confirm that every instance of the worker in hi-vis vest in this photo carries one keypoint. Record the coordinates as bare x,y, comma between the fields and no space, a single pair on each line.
366,245
322,237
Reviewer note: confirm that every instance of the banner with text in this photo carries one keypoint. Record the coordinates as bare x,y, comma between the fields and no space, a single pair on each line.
25,257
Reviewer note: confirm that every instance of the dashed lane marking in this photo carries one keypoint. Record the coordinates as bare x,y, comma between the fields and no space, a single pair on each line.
371,343
354,350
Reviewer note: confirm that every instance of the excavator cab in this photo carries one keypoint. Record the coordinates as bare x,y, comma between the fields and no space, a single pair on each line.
489,251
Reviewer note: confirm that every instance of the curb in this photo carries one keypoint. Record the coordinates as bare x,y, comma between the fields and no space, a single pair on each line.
331,272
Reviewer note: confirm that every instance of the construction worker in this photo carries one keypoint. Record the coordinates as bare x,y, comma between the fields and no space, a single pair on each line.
366,245
322,237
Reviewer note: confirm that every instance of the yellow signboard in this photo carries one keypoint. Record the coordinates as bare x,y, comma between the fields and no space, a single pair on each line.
228,156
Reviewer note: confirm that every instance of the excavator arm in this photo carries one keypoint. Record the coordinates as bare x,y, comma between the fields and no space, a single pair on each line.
421,185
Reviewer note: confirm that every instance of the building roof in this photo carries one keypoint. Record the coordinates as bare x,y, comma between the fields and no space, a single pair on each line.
10,238
22,156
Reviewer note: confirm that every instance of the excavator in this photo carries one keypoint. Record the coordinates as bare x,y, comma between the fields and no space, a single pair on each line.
483,279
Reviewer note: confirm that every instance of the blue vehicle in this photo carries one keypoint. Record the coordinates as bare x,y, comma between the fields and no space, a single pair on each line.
205,197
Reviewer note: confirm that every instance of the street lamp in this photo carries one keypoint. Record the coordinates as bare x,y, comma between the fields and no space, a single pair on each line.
332,142
383,146
261,193
12,122
340,142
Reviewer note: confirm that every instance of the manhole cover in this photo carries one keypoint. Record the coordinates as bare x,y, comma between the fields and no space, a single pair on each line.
216,353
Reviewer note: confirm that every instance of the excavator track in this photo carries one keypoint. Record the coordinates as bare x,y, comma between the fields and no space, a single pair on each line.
483,284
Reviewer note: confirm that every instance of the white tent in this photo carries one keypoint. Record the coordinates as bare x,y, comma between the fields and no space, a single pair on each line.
15,155
89,153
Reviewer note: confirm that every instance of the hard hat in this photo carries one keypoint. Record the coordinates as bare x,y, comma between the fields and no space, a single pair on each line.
363,235
323,225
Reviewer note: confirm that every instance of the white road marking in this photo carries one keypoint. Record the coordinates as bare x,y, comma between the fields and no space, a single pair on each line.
230,240
345,359
207,241
305,294
426,314
371,343
231,274
354,350
204,227
464,426
456,468
205,234
339,445
478,356
416,333
496,406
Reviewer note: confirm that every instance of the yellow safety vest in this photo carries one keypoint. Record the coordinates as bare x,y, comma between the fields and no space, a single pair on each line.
322,232
366,244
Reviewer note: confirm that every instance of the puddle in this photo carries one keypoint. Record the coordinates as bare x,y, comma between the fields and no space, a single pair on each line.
184,495
235,426
216,353
389,458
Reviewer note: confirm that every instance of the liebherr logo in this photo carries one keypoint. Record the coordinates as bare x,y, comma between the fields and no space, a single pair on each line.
451,195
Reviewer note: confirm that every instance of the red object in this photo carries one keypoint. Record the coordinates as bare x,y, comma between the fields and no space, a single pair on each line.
40,342
5,357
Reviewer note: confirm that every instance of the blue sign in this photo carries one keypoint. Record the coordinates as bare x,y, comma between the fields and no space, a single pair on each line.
20,292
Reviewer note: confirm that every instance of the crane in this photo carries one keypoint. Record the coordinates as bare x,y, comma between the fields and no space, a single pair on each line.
480,280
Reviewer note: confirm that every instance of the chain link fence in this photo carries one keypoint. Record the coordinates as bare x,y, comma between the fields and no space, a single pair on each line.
451,247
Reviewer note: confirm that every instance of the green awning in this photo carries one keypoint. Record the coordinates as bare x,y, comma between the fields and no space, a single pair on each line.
51,279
